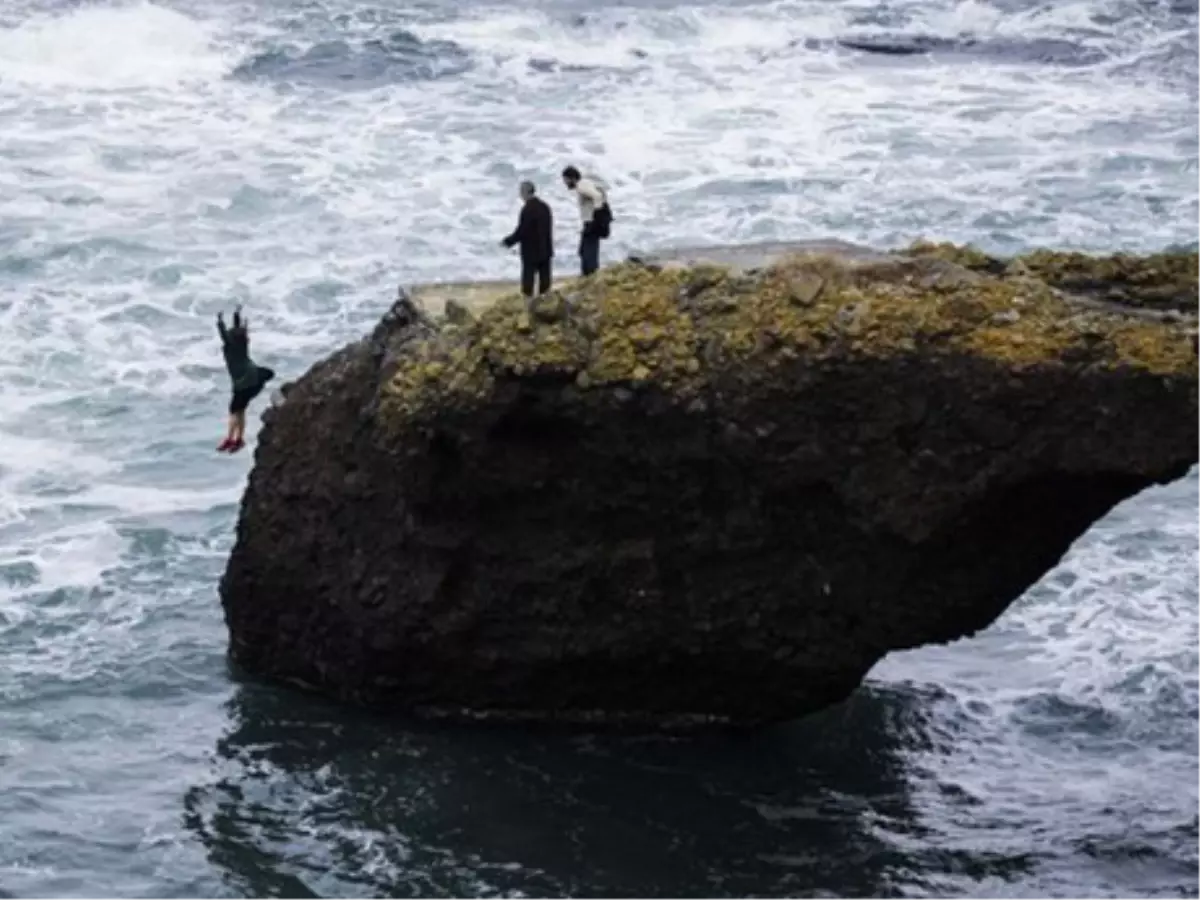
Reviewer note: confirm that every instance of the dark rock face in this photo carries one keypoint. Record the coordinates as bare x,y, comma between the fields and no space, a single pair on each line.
743,546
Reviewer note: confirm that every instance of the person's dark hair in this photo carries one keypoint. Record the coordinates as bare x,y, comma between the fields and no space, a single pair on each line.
570,172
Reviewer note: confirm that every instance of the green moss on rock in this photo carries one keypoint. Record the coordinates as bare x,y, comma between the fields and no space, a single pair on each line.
1161,280
965,255
678,330
1158,281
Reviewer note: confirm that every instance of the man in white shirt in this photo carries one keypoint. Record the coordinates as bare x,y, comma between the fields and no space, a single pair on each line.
594,216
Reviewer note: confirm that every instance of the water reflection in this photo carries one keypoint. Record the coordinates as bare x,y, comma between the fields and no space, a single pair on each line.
309,800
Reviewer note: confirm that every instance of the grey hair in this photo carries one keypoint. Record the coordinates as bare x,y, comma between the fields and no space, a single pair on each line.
528,187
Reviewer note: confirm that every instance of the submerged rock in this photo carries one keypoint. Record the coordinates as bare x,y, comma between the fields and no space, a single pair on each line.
691,490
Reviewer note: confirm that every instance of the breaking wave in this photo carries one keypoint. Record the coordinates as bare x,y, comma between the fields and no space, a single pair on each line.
363,63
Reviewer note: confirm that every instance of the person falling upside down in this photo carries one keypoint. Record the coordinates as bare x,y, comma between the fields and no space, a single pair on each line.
248,379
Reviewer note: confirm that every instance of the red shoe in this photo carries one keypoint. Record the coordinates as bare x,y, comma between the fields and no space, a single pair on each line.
236,446
226,446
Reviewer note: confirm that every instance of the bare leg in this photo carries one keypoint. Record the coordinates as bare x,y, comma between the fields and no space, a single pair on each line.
239,427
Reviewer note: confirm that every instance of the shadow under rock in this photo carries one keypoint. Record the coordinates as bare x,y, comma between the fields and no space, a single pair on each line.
311,799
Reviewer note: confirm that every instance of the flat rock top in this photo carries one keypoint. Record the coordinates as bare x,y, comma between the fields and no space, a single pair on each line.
686,319
478,295
1141,285
743,257
474,295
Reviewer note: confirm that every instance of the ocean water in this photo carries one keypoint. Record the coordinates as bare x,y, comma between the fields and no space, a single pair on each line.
161,161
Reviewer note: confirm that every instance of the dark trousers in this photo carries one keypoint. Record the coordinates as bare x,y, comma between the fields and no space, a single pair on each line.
589,254
528,271
242,396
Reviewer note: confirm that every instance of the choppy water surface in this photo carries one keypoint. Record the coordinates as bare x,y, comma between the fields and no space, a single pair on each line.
160,160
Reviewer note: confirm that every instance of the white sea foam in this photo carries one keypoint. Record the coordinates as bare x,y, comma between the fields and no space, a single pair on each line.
1078,707
110,47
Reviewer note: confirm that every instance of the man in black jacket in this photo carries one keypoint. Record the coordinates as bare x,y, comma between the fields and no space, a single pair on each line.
535,234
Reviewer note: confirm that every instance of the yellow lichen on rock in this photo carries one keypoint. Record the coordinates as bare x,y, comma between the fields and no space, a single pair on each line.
1141,345
638,326
433,373
1154,280
1156,268
676,329
964,255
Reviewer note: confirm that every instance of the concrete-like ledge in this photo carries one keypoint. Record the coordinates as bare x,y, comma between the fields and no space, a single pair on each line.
479,295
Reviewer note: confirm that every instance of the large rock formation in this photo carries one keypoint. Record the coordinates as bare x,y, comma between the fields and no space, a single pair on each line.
683,490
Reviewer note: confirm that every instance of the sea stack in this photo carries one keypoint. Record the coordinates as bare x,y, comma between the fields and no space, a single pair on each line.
705,486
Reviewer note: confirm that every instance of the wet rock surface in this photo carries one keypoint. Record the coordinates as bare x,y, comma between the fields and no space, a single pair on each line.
711,485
